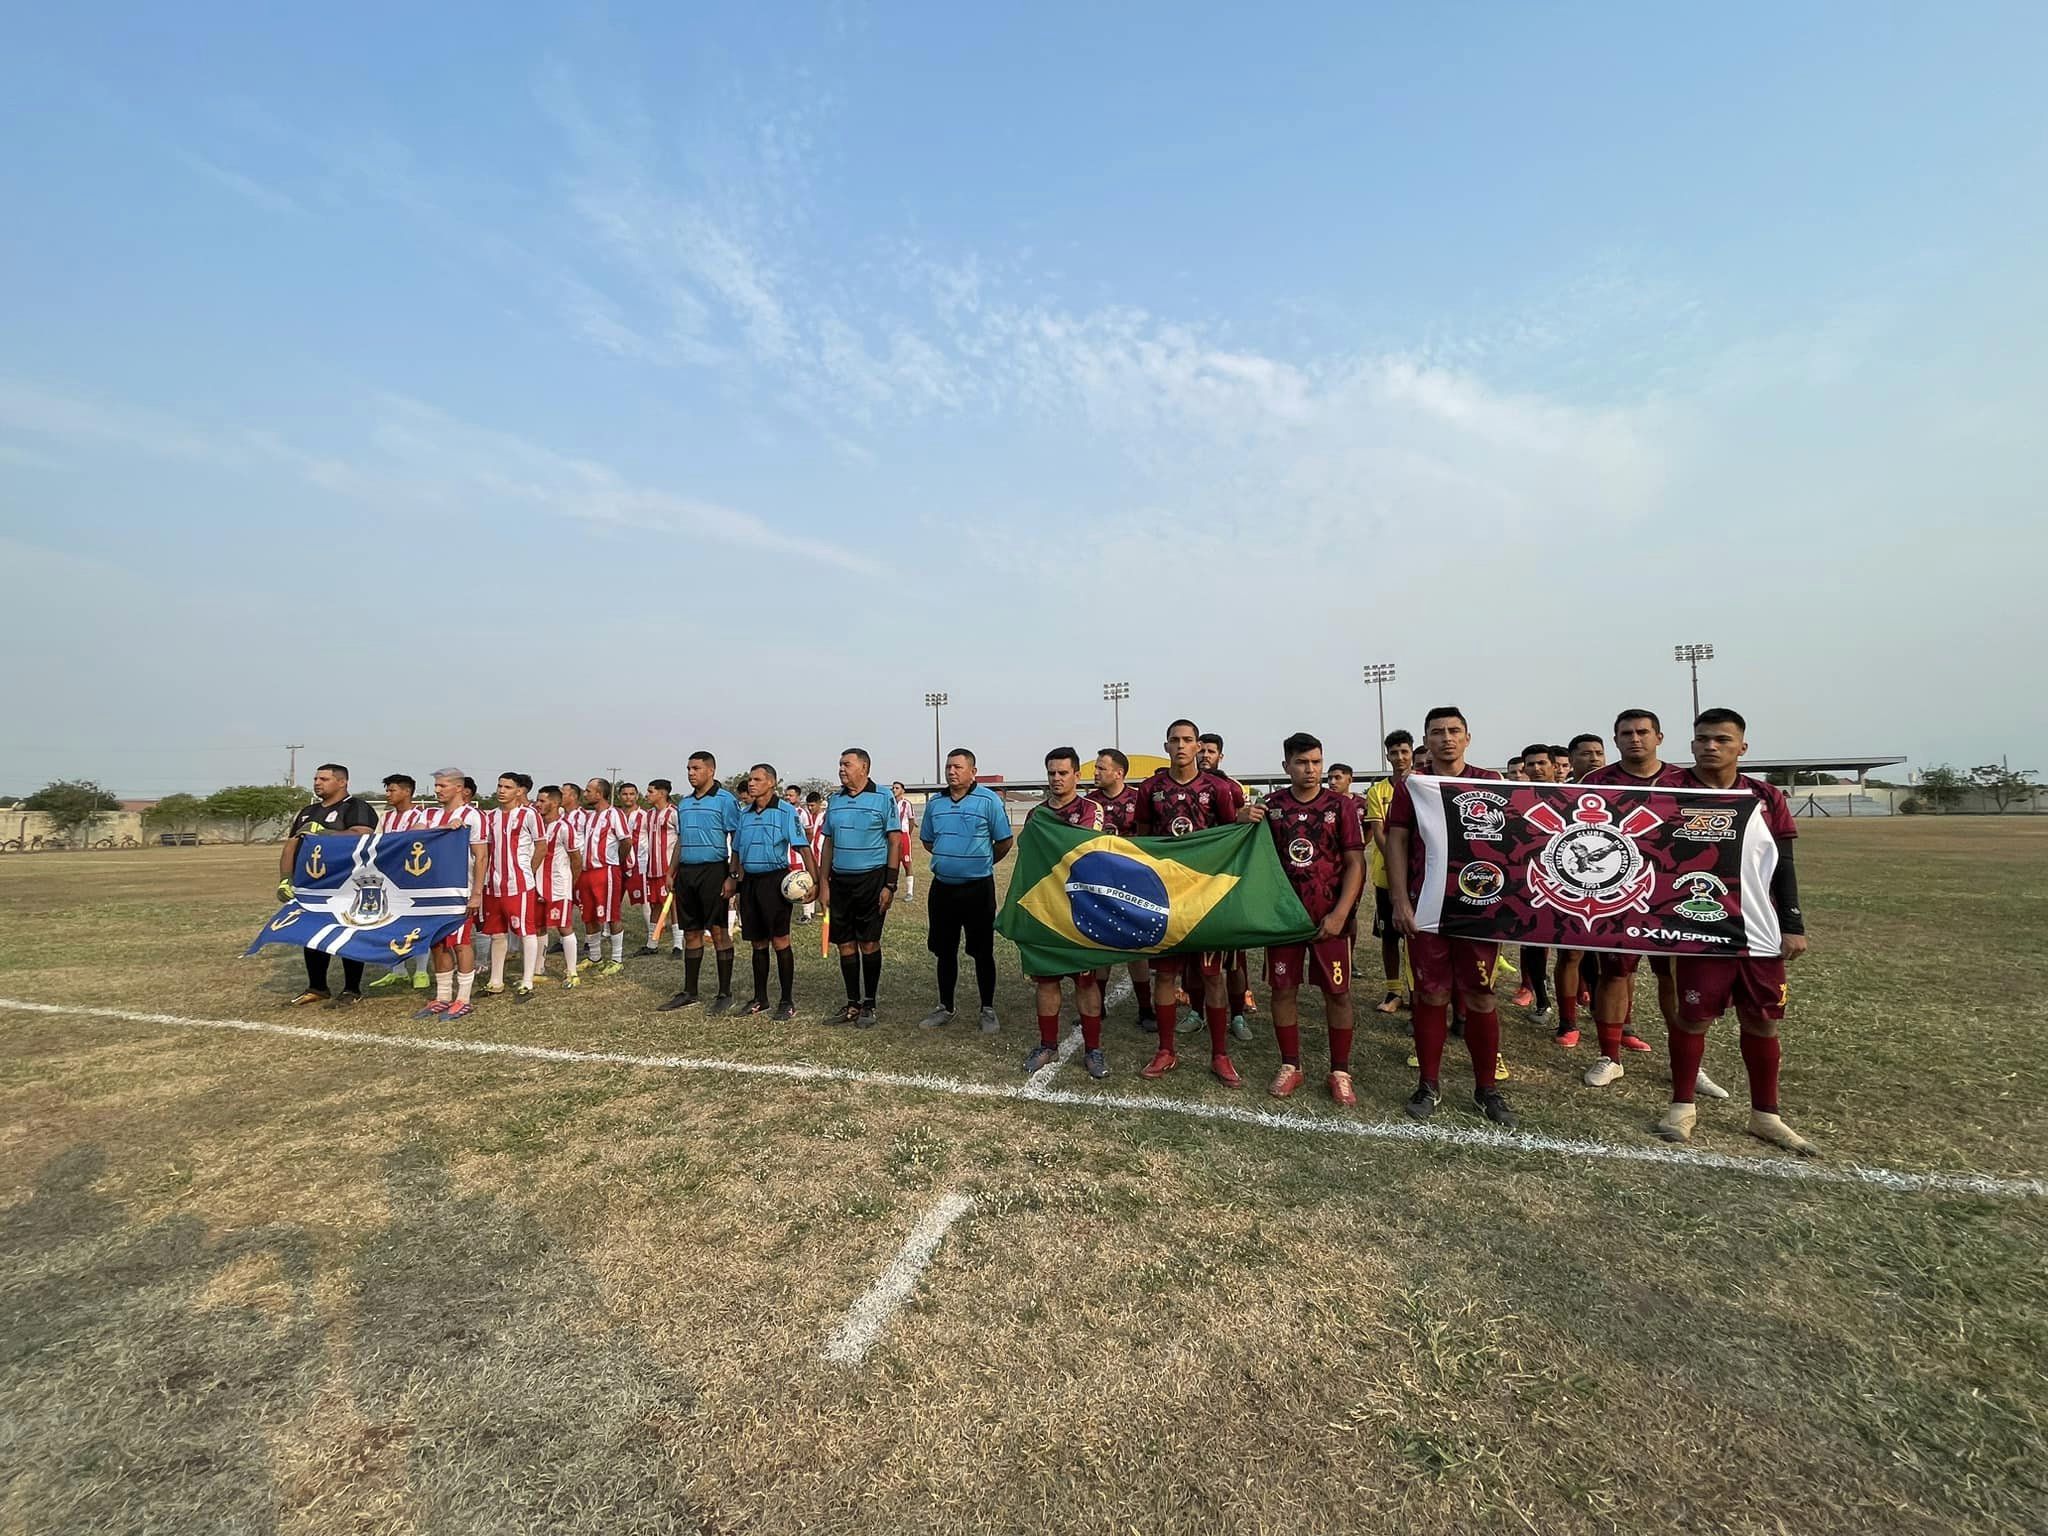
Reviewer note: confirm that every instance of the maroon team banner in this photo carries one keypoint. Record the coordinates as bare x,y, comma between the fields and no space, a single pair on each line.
1581,866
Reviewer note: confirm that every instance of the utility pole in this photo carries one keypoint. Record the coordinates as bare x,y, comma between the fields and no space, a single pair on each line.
1377,675
1116,693
1692,656
936,702
291,764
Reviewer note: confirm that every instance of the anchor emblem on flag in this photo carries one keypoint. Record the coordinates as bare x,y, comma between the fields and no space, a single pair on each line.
416,862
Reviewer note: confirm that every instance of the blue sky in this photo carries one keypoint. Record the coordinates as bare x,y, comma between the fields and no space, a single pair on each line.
562,389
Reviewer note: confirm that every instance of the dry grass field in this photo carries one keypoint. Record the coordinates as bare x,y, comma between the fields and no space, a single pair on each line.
261,1282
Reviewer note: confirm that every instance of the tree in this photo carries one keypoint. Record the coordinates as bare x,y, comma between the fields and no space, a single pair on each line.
176,813
1941,787
74,807
9,802
2006,786
737,782
253,807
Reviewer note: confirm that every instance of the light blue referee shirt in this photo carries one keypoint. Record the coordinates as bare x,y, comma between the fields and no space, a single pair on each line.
859,827
962,834
703,823
766,836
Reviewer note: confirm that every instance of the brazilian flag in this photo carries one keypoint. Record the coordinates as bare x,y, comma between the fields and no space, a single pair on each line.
1080,900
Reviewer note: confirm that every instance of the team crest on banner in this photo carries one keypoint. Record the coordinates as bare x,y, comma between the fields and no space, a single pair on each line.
1635,869
375,898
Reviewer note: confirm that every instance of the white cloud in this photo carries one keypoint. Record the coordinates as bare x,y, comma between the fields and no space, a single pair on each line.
263,196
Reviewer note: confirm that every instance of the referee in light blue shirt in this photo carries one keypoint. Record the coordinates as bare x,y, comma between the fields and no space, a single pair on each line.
967,833
863,847
706,819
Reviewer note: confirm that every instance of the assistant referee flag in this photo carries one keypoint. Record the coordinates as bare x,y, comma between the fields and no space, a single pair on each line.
1080,900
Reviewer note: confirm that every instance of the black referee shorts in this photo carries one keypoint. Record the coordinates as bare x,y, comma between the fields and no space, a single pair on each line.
764,910
700,896
966,909
857,907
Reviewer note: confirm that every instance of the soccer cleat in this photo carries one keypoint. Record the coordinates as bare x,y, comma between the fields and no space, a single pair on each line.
1523,997
1677,1124
1567,1037
850,1014
1391,1003
938,1018
1540,1015
389,979
784,1012
345,1000
1097,1064
1041,1056
1342,1091
459,1010
494,988
1500,1069
1159,1065
1631,1042
1604,1071
1225,1071
1189,1019
755,1005
1585,998
1148,1021
1414,1062
1285,1081
990,1022
569,983
680,1000
433,1010
865,1019
421,981
720,1004
307,998
1240,1027
1423,1101
1495,1108
1765,1125
611,968
1705,1085
524,994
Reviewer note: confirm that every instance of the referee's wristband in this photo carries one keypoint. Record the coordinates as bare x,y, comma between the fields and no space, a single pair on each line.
888,885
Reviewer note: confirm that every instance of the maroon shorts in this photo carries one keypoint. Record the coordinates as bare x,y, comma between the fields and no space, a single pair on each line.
1464,966
1079,977
1325,962
512,914
1208,963
458,937
1627,965
1707,984
597,895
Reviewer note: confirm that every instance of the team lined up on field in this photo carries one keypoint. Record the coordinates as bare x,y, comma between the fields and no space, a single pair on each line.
539,865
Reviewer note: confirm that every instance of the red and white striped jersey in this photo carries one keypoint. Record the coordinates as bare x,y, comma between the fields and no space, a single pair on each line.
452,816
556,837
634,821
598,834
657,845
411,819
512,833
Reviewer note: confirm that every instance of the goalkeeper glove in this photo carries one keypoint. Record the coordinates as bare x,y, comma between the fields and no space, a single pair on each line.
284,890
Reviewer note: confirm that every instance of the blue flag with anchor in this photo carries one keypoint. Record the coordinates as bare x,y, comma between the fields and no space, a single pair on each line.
383,898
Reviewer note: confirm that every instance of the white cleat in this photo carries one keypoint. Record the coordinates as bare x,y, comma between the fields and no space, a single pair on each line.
1604,1071
1766,1126
1707,1088
1677,1124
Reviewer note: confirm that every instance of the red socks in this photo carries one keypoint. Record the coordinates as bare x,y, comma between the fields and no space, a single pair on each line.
1091,1032
1432,1028
1165,1012
1610,1041
1567,1008
1482,1039
1340,1050
1289,1036
1687,1052
1048,1029
1760,1056
1219,1030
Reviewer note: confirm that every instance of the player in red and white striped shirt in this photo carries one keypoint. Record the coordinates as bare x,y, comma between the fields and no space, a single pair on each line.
401,815
656,853
511,893
555,867
455,956
906,823
601,840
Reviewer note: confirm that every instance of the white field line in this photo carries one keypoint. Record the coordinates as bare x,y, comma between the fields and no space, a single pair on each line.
867,1317
1036,1084
1898,1181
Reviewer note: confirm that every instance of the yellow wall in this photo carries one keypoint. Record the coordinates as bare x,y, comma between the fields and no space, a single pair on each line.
1143,765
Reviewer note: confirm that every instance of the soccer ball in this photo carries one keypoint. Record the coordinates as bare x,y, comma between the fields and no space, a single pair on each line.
798,885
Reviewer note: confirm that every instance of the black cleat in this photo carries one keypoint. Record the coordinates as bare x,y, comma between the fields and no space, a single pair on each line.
1423,1101
865,1019
785,1012
1495,1108
680,1000
720,1004
644,951
1148,1021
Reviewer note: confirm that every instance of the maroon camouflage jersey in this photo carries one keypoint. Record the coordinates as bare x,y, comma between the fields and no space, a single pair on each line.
1313,836
1401,813
1121,809
1169,808
1616,773
1089,815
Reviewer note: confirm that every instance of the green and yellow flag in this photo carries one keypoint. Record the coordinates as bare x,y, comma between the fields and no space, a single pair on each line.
1080,900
